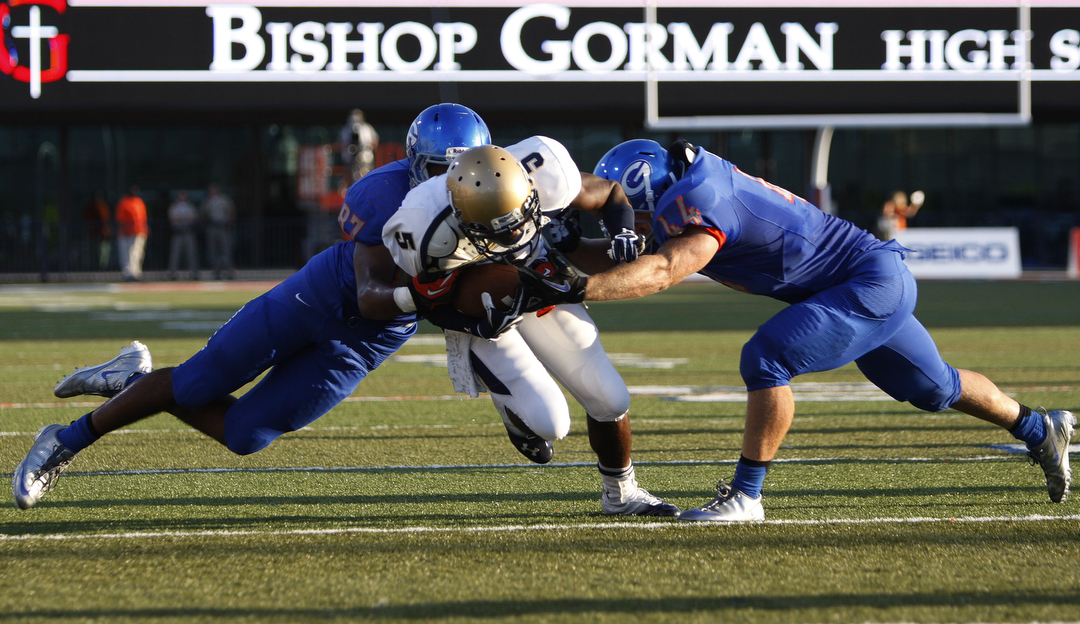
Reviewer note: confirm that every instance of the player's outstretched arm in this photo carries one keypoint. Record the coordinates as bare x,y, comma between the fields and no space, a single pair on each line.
376,277
675,260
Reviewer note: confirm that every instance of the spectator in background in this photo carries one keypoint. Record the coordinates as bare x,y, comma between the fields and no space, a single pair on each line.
183,217
97,219
218,214
132,230
358,144
896,212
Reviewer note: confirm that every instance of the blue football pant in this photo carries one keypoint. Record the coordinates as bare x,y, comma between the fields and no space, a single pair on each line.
868,320
314,362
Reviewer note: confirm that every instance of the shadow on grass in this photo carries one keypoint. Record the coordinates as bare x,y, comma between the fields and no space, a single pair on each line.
734,606
530,509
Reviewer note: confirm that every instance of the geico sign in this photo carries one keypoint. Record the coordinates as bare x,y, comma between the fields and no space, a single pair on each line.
314,46
958,252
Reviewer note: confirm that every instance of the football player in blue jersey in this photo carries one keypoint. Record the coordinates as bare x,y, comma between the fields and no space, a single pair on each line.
851,299
316,335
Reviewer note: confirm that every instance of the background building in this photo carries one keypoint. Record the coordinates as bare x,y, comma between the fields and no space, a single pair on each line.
974,105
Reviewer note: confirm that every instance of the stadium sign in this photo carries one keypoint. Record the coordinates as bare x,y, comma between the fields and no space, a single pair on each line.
962,253
759,57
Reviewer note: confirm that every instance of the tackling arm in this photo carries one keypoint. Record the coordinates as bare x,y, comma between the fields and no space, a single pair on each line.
376,277
678,258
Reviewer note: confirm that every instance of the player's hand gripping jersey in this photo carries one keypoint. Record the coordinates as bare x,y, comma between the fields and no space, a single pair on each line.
424,235
772,242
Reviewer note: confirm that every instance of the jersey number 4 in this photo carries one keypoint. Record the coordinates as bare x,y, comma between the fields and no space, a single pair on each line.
688,215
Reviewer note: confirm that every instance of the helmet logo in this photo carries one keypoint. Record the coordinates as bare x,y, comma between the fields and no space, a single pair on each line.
635,179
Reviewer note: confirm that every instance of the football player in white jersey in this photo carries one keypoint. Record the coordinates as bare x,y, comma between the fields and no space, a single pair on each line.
490,206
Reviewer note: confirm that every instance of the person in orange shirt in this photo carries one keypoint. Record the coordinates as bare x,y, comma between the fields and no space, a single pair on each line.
896,212
131,230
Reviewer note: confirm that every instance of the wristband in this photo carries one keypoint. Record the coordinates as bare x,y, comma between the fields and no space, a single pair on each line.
403,299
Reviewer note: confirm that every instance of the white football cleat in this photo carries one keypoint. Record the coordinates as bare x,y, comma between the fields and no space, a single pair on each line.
1053,453
730,505
38,472
107,379
638,503
624,497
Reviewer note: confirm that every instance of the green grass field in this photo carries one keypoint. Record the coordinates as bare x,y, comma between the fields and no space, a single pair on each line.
407,503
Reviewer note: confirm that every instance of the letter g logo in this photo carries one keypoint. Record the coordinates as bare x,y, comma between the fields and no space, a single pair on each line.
635,178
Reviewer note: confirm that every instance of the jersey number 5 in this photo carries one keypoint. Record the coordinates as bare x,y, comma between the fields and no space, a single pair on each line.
404,240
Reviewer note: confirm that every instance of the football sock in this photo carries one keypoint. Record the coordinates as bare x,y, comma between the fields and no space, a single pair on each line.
750,476
79,435
616,473
618,482
1029,427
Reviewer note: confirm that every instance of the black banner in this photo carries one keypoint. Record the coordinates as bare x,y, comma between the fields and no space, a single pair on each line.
885,59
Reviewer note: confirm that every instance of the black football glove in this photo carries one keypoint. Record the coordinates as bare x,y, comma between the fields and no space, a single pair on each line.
626,246
431,291
498,321
565,285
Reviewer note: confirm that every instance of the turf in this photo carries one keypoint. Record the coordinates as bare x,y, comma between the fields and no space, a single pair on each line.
407,503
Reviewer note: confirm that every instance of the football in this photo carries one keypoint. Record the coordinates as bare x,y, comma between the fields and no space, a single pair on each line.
499,280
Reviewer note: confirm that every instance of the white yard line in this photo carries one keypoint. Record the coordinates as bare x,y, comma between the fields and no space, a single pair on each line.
530,466
806,391
516,528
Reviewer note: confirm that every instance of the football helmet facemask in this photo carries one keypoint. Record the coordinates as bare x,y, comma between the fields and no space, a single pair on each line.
438,134
494,199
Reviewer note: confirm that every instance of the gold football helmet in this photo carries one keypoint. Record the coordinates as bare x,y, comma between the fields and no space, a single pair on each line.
494,199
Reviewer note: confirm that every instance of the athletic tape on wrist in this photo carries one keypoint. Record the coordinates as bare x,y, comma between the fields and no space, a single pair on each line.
403,299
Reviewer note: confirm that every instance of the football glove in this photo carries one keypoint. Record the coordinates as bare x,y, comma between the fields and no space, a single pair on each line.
565,285
498,321
625,243
430,291
495,323
626,246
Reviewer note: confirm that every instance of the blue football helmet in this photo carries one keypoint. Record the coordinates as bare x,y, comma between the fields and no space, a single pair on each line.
643,168
439,134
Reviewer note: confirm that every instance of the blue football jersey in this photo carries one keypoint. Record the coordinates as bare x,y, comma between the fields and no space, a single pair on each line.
774,243
369,202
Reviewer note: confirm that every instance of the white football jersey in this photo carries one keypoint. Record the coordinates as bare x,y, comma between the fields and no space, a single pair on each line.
425,235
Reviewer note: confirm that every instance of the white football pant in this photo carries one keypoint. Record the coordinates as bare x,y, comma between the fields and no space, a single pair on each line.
562,345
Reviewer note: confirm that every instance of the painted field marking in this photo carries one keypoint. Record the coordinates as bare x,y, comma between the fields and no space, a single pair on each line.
530,466
517,528
807,391
627,360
